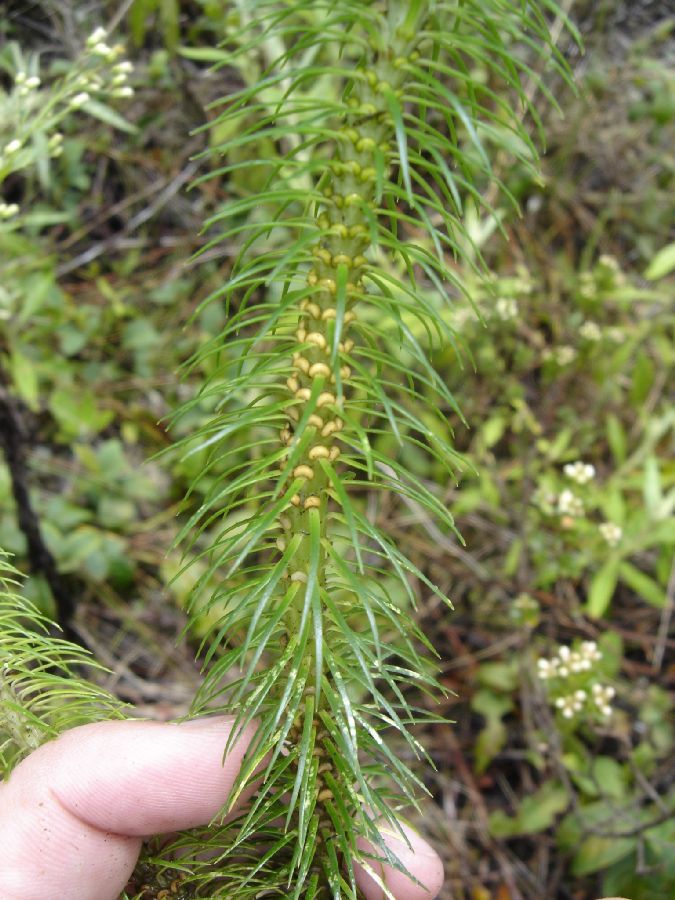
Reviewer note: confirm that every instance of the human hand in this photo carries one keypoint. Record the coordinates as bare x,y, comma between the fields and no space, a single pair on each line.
74,813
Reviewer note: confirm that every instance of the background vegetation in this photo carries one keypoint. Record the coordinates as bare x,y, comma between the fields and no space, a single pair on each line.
541,791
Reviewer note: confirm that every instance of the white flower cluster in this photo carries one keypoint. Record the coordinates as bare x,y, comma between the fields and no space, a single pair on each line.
590,331
579,471
562,355
571,703
506,309
569,662
7,210
570,505
101,71
112,82
611,532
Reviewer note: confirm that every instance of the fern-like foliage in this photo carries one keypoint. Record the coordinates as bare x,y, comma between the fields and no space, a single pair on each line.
366,130
43,690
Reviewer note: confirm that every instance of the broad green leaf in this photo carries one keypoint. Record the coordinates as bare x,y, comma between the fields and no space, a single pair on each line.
602,588
644,586
662,264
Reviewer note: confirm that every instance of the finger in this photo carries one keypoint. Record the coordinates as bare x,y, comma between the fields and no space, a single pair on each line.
418,858
73,813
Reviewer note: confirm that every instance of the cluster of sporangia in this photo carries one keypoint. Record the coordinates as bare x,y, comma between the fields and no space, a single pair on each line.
348,191
349,187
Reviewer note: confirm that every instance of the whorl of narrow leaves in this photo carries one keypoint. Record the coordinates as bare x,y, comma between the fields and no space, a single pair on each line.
42,692
335,300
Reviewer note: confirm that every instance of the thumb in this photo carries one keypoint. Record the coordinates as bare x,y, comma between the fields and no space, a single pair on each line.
73,813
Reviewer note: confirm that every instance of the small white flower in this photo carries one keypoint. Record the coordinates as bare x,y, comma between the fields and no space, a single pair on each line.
79,100
569,504
33,82
98,34
55,144
587,286
126,91
602,697
609,262
580,472
125,67
611,533
506,308
589,650
101,49
590,331
547,668
563,671
20,78
577,662
7,210
13,147
564,355
564,653
571,704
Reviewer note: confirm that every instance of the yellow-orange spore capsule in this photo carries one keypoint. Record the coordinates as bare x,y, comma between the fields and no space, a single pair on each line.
325,398
349,316
342,259
334,453
345,371
303,394
292,384
328,313
365,144
301,334
312,503
316,338
318,370
328,285
322,254
295,500
319,452
328,429
300,362
303,471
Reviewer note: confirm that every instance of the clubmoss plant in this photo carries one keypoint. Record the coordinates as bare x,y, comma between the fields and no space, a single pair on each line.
364,130
370,124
